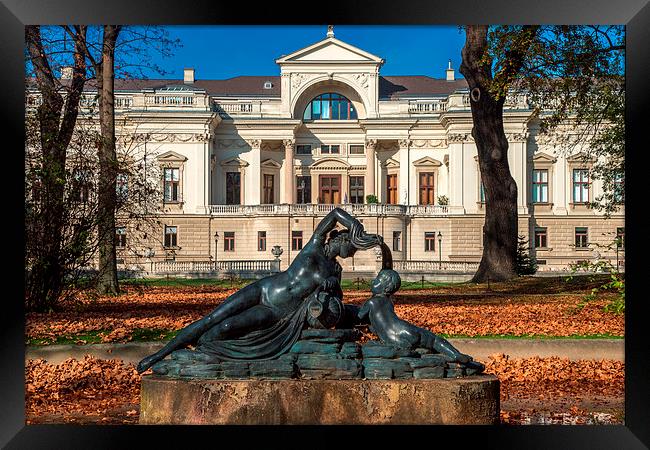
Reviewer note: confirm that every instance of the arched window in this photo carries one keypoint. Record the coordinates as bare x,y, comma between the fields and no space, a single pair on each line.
330,106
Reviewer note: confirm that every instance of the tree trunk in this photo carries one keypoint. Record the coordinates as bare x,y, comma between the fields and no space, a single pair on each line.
499,259
107,196
56,120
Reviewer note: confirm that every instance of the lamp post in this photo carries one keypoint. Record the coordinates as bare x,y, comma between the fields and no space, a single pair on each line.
216,249
439,250
302,190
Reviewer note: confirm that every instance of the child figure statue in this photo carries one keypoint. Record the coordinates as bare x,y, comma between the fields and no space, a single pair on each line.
392,330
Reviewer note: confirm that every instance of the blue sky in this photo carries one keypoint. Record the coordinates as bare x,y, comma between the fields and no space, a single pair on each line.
219,52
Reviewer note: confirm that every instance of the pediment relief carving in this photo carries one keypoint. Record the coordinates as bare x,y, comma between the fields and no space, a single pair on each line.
580,158
171,156
427,161
330,163
542,157
270,163
391,163
234,162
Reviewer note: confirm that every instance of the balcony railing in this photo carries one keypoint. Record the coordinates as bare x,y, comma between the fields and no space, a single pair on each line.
309,209
436,266
235,108
430,107
273,266
234,266
170,100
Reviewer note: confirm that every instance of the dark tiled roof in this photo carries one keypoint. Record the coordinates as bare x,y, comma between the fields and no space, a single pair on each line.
390,87
408,85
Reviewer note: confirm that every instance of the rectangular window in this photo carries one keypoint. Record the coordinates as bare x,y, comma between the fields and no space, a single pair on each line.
261,241
356,149
620,237
356,190
391,189
426,188
268,189
619,188
170,236
296,240
81,185
540,186
233,188
541,237
229,241
303,189
303,149
582,237
481,192
120,237
580,185
397,238
122,186
172,178
430,241
330,149
330,189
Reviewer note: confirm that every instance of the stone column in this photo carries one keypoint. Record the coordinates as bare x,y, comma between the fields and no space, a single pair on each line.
517,158
371,145
288,193
253,183
404,196
457,171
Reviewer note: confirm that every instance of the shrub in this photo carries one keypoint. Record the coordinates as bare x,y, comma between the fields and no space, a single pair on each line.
616,281
371,198
525,264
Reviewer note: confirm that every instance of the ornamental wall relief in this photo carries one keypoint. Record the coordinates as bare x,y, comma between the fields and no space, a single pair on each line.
297,79
165,137
229,143
460,137
430,143
362,80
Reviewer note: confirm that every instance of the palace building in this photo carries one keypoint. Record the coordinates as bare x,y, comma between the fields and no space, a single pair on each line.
254,162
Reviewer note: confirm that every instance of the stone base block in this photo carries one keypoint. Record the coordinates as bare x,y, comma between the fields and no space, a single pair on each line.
472,400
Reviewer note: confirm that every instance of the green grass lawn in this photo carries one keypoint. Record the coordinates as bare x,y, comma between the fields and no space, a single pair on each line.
179,282
360,284
153,335
95,337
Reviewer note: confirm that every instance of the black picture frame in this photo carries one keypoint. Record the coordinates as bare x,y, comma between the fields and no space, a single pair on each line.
14,14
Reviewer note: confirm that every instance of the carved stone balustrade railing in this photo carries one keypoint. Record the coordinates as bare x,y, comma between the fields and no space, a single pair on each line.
233,266
323,209
436,266
427,107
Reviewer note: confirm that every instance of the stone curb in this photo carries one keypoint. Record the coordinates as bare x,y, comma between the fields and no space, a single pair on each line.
480,349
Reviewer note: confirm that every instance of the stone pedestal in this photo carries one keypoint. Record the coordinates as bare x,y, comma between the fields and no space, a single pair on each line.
468,400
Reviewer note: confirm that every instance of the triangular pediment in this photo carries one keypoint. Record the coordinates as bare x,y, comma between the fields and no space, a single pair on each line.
391,163
171,156
544,157
330,50
580,158
270,163
427,161
330,163
236,162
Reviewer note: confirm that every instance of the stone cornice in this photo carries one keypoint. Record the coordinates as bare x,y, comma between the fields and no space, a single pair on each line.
163,137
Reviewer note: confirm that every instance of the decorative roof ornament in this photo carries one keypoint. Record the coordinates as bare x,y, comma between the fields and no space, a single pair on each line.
330,31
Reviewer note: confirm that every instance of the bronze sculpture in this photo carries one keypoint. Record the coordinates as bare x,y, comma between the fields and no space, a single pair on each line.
380,312
270,319
263,320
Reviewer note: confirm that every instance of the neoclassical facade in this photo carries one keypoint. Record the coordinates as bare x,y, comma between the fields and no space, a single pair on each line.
253,162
